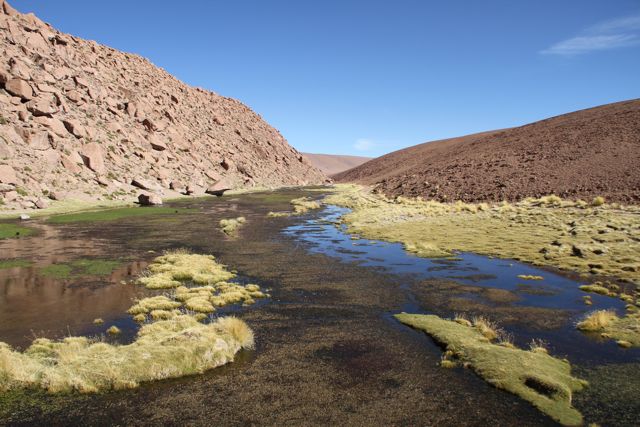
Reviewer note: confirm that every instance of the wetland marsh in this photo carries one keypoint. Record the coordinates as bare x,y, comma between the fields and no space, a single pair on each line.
328,347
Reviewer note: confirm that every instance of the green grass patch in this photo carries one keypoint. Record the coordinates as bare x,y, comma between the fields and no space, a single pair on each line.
115,214
56,271
533,374
13,263
9,230
80,267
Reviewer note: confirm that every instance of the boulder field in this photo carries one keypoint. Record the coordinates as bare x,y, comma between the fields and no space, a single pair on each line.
84,121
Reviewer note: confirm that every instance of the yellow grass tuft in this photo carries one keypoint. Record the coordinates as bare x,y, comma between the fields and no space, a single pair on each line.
230,226
173,269
529,277
114,330
598,320
164,349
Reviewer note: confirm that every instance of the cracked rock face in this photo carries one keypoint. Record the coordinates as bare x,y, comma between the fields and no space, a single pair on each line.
82,119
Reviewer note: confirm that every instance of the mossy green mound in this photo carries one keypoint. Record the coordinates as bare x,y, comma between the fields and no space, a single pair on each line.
576,236
115,214
9,230
13,263
533,375
164,349
173,269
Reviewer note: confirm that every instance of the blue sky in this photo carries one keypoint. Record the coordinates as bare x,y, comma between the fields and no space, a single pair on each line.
369,77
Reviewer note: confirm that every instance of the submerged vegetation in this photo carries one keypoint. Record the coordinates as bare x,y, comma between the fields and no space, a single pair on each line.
230,226
590,238
533,375
114,214
80,267
10,230
13,263
625,330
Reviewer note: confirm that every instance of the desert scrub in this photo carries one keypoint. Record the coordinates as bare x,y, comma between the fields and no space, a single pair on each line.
625,330
165,349
230,226
533,375
175,268
9,230
599,240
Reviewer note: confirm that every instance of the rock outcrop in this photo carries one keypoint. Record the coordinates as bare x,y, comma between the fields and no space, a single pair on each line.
86,120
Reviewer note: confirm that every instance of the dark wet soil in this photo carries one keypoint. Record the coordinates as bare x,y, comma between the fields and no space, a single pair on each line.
328,350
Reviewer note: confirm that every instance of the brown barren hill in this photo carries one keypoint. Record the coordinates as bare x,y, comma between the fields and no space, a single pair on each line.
81,119
580,155
332,164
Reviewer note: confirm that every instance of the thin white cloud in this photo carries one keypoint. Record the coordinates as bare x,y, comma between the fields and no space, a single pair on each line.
612,34
364,144
586,44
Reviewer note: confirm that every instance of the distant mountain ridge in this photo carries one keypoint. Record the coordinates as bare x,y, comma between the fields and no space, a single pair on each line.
334,163
78,119
587,153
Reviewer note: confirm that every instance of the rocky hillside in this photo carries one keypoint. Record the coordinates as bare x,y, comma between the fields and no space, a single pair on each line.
334,163
78,119
588,153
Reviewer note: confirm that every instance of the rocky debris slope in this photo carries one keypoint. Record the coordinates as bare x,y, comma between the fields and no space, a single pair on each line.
588,153
78,119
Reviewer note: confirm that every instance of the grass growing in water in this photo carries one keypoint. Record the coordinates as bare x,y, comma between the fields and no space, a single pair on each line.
533,375
13,263
230,226
164,349
625,330
114,214
529,277
9,230
169,344
80,267
601,239
174,268
300,206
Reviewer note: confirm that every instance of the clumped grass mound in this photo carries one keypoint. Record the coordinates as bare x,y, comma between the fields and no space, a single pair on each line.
625,330
598,238
230,226
533,375
304,205
165,349
174,268
300,206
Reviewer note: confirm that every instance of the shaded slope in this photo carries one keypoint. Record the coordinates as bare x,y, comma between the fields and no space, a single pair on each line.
588,153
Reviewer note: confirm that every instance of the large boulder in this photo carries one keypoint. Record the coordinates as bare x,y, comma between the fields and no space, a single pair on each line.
8,175
44,105
93,157
219,188
20,88
149,199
